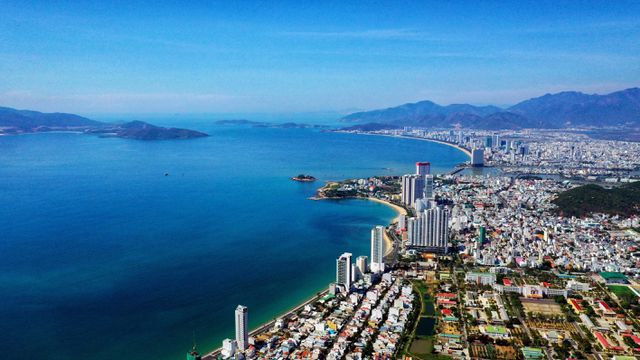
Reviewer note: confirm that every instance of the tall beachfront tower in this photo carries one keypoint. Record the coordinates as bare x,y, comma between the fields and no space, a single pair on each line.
242,334
423,168
361,264
377,249
412,188
428,187
343,271
477,157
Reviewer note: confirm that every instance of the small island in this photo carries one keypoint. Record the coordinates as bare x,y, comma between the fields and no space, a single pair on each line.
304,178
14,122
139,130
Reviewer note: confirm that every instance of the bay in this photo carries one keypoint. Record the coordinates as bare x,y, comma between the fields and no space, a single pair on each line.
114,248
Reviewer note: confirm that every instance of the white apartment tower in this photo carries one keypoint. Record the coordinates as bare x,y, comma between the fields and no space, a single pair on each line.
228,348
343,270
428,187
242,333
377,249
430,230
412,189
361,264
402,222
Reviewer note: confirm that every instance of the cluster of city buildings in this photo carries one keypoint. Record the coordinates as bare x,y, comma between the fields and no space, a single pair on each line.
564,153
429,229
502,221
520,280
550,314
367,321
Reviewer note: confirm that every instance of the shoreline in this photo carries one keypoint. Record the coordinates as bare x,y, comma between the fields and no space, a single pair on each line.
388,244
463,149
388,248
213,354
398,209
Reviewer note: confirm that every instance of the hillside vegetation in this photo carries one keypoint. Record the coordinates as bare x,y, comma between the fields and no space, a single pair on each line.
589,199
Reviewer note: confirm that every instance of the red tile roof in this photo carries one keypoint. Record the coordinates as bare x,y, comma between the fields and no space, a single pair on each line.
576,304
446,295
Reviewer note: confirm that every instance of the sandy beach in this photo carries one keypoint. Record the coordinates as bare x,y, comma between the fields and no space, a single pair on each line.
400,210
465,150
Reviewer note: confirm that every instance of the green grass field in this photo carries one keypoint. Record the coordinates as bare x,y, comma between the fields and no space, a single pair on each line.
621,291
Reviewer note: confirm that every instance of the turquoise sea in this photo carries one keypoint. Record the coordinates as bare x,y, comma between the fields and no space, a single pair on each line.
102,256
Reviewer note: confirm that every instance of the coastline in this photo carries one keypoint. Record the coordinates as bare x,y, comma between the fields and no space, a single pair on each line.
463,149
213,354
388,248
399,210
388,243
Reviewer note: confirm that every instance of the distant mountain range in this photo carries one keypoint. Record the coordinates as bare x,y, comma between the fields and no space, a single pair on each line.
13,121
565,109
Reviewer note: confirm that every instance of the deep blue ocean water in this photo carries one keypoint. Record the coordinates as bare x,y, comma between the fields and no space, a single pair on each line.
102,256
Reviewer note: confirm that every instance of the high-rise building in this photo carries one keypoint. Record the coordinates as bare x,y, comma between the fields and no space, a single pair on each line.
428,187
402,222
343,270
488,142
361,264
377,249
430,230
412,189
228,348
477,157
423,168
414,229
242,333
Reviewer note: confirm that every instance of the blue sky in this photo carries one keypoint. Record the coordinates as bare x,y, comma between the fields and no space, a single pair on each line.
242,57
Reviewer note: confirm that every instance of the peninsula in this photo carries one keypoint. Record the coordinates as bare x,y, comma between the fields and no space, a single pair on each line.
14,122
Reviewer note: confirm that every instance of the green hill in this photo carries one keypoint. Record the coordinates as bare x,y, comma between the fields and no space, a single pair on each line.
588,199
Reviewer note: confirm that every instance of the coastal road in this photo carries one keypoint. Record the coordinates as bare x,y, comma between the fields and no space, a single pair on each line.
391,258
214,354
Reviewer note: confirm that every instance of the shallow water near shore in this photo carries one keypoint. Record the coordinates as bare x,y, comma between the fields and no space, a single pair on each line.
114,248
